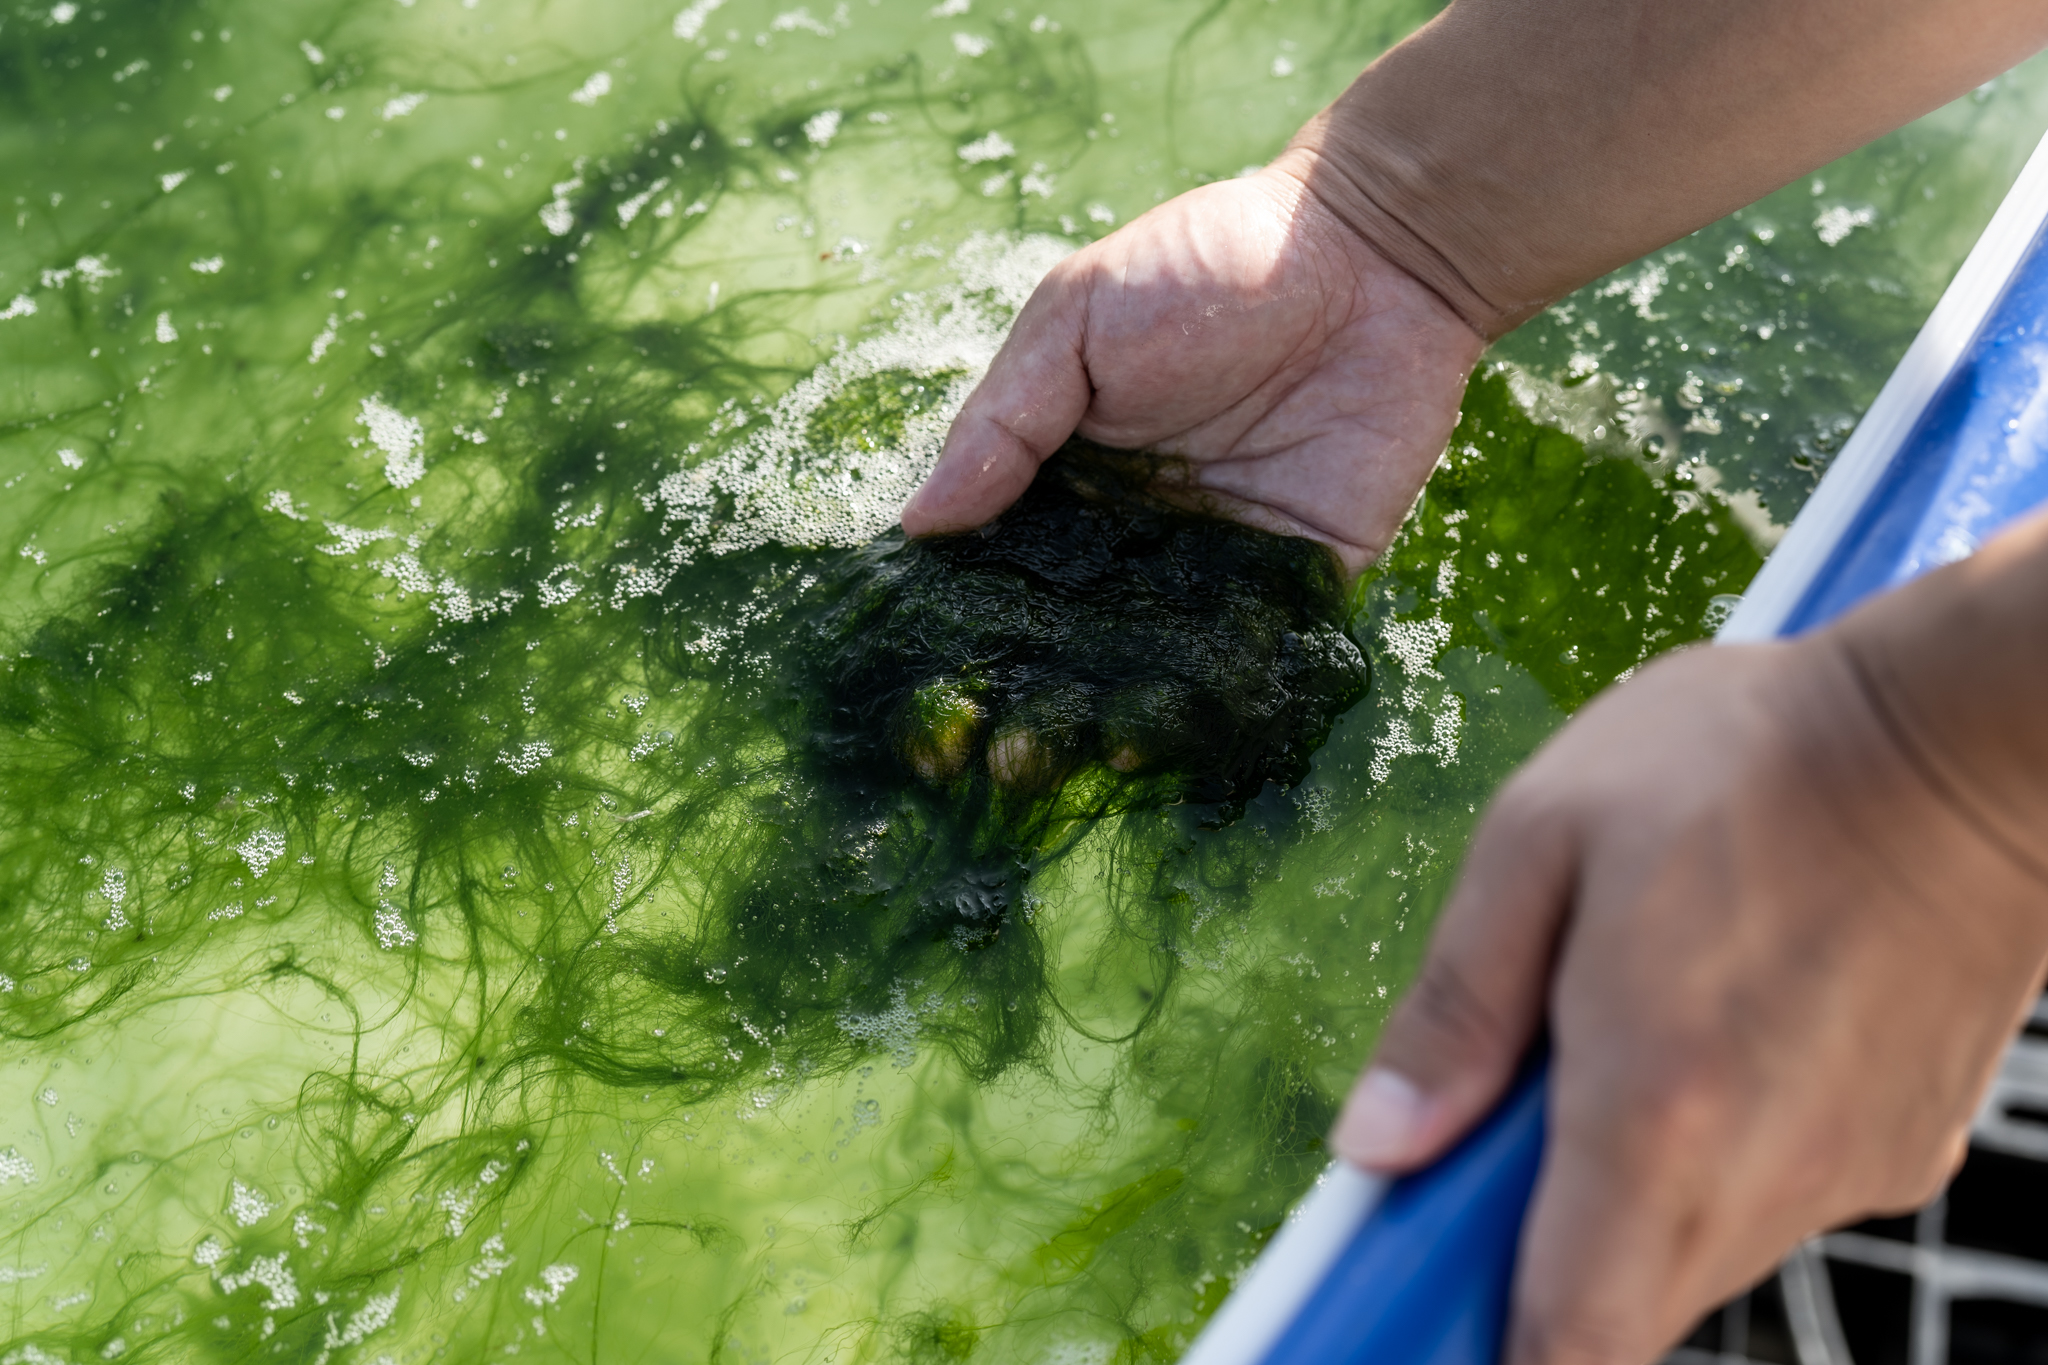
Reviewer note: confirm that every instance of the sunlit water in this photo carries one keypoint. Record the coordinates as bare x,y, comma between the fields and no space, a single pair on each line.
430,429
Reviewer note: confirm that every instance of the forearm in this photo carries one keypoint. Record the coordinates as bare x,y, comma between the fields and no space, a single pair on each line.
1956,666
1513,150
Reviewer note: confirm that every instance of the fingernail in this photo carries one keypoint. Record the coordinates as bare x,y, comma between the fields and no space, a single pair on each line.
1381,1120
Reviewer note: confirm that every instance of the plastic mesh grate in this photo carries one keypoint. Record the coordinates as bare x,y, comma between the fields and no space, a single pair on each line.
1964,1281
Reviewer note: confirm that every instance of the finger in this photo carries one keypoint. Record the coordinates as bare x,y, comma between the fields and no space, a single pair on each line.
1024,409
1456,1038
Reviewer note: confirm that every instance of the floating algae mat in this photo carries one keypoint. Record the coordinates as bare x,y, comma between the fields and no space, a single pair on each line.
505,852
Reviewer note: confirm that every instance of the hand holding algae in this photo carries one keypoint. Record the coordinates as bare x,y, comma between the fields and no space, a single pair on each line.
472,883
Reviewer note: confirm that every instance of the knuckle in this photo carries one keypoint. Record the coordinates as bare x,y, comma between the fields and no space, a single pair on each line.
1446,1015
1660,1107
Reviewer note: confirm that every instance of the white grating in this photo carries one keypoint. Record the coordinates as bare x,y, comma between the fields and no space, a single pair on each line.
1795,1318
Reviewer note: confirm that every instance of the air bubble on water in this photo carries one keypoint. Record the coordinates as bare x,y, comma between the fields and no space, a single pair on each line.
822,126
1318,807
268,1272
894,1029
1641,289
690,22
281,503
799,18
114,889
260,850
399,437
554,1281
247,1205
993,147
377,1312
775,487
591,91
1836,223
324,339
391,928
528,758
557,216
630,209
1720,607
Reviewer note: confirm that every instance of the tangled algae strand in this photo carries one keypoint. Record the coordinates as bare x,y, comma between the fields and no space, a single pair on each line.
1093,626
967,708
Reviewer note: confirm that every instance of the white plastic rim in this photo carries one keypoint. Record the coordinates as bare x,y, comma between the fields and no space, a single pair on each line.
1783,581
1260,1308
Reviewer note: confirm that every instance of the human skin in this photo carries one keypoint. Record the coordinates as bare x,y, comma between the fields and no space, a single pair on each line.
1781,905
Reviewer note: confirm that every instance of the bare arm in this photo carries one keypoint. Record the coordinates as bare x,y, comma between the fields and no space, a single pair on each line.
1512,150
1302,336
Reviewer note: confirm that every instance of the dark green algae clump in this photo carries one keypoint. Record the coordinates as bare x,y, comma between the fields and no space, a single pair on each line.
1094,651
1091,629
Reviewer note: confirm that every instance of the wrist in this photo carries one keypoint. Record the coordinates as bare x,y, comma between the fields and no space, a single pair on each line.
1441,155
1343,185
1951,665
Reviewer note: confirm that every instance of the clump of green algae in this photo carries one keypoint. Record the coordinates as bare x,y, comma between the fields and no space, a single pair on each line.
427,906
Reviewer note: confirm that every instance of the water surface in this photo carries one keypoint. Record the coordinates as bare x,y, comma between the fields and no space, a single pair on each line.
426,430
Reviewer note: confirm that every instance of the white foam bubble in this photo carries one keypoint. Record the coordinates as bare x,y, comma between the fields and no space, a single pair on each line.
271,1273
399,437
401,105
821,127
247,1205
995,146
690,22
260,850
774,486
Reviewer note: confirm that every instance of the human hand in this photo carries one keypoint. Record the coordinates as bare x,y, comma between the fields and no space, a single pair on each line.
1308,384
1779,951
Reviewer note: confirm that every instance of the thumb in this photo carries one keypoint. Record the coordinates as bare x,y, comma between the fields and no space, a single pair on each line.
1024,409
1453,1043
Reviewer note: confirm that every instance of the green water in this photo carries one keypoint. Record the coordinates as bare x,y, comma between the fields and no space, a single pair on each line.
427,431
